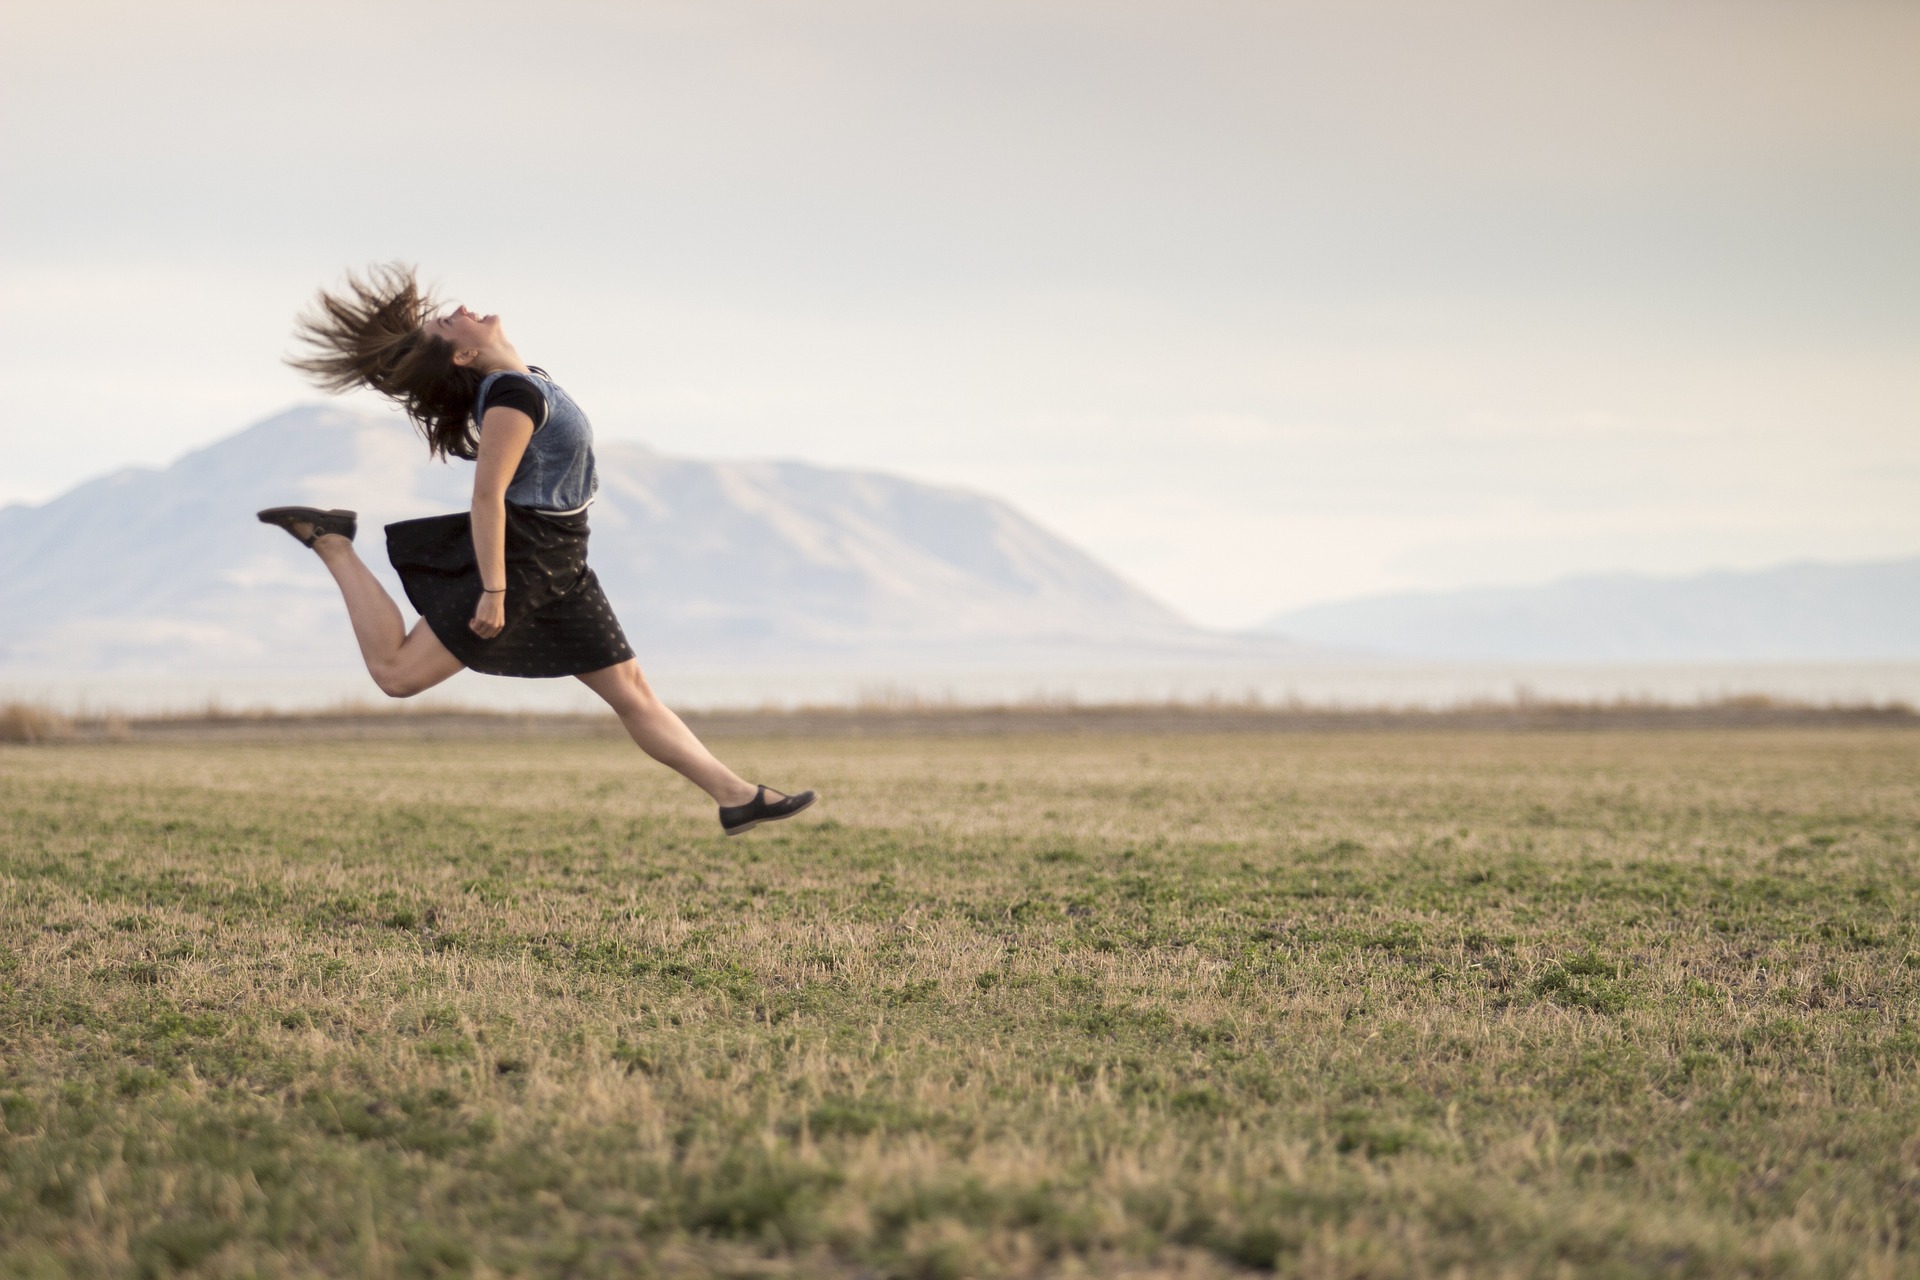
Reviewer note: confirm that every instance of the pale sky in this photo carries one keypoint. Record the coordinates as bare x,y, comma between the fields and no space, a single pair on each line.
1263,304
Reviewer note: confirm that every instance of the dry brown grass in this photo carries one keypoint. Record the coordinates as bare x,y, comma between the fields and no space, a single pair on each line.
1341,1005
23,722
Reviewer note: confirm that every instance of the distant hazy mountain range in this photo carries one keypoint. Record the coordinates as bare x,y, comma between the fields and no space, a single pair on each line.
168,571
1794,613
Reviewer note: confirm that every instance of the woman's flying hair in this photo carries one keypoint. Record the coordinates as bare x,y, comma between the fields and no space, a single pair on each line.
369,335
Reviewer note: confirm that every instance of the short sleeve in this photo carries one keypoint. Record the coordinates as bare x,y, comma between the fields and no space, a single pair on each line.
517,392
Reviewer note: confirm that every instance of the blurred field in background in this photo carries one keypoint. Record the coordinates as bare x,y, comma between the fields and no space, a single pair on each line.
1356,1003
1360,684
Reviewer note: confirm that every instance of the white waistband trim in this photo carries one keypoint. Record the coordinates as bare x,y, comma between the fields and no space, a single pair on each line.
576,511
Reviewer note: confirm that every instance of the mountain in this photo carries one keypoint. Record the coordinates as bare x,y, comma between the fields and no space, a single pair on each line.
167,571
1800,612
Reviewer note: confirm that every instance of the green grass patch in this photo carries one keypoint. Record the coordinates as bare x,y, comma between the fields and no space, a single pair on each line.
1354,1005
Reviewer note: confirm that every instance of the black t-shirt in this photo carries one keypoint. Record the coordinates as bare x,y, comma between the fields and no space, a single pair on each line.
517,392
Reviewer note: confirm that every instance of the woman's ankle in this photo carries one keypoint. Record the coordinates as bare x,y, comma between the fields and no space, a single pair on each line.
728,798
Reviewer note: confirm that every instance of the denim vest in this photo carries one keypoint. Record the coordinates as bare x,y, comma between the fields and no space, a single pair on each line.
556,473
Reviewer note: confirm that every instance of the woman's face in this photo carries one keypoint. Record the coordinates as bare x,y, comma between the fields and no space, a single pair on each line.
465,330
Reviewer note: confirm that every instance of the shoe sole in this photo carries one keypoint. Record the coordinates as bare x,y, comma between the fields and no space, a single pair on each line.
745,827
273,515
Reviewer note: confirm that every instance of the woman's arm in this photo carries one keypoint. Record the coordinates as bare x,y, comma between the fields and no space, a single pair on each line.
504,434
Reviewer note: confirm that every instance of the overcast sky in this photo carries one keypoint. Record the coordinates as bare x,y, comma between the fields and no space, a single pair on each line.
1262,303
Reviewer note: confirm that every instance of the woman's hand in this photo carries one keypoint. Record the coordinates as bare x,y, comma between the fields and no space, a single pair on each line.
490,615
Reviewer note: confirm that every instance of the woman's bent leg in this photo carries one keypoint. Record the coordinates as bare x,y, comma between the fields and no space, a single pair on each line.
660,733
401,664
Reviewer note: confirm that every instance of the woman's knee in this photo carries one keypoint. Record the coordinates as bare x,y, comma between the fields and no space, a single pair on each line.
630,692
396,682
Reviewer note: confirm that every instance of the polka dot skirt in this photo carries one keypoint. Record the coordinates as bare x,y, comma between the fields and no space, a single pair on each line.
558,620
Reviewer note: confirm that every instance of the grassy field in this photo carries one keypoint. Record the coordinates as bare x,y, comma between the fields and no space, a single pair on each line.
1363,1004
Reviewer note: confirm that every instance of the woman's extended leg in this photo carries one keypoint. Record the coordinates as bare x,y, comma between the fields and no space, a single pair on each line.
401,664
660,733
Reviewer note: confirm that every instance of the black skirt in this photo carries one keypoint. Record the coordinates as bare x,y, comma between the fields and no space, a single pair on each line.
558,620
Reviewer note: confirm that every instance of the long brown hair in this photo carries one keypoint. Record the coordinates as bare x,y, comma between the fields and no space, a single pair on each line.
369,335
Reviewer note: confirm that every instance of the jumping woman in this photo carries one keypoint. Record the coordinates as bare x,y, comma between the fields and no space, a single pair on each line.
503,589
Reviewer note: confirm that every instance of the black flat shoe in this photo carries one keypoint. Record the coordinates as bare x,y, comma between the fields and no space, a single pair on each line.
344,523
735,818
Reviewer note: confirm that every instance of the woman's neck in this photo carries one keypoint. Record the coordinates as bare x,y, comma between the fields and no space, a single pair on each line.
501,359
